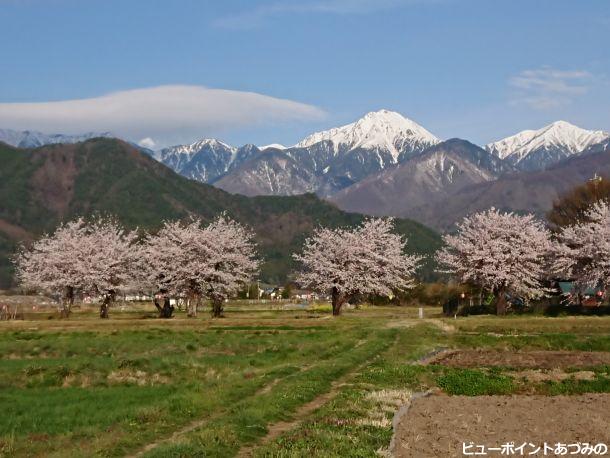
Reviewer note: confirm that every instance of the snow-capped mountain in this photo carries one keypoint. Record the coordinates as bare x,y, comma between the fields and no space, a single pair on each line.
539,149
330,160
383,131
33,139
345,155
205,160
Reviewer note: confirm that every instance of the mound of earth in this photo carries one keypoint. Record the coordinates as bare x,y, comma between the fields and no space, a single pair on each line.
439,425
522,359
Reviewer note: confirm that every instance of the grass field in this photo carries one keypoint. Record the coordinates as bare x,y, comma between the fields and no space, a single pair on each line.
255,383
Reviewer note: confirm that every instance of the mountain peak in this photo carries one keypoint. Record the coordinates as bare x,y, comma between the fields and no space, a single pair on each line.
273,145
543,147
195,147
382,129
561,123
384,114
212,142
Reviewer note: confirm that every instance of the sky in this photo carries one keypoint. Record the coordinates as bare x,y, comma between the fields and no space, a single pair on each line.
164,72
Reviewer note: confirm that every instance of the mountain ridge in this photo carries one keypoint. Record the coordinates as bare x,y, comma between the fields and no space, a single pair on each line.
34,139
43,186
523,192
432,175
538,149
333,158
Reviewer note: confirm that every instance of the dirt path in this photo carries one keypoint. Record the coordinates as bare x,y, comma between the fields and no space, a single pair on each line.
177,434
277,429
199,423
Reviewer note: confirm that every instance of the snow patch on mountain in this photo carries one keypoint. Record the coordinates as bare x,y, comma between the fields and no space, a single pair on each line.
274,146
34,139
379,130
194,148
550,144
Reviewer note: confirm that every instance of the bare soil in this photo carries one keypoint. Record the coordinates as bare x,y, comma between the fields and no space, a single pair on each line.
552,375
521,359
438,425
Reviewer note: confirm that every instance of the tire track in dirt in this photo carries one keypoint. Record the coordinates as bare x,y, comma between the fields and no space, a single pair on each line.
194,425
302,413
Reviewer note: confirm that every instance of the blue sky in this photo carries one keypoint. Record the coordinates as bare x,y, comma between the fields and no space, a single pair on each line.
475,69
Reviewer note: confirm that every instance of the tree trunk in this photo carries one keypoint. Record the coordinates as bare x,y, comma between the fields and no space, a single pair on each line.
157,306
217,308
66,302
501,304
338,299
167,310
105,306
109,298
191,307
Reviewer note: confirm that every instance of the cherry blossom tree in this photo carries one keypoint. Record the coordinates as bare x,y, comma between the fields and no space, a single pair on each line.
504,253
52,263
92,258
232,261
108,254
583,249
188,260
172,261
346,263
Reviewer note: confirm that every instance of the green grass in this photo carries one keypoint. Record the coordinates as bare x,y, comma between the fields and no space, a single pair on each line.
97,390
87,387
472,382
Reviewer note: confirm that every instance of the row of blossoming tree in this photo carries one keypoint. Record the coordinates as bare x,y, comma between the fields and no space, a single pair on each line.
515,255
213,262
504,253
100,258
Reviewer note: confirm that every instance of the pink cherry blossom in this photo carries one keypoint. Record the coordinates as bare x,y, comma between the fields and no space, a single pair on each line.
503,253
345,263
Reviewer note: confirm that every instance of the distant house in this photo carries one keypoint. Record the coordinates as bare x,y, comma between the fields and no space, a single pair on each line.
274,293
138,297
591,297
304,294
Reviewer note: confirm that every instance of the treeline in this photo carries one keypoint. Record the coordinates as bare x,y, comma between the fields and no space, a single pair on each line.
213,262
503,254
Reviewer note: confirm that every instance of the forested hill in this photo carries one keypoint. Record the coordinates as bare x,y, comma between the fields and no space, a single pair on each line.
41,187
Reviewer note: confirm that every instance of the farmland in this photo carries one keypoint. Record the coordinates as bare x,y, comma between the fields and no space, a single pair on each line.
275,382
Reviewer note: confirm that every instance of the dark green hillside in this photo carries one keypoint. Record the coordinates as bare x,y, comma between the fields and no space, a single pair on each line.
41,187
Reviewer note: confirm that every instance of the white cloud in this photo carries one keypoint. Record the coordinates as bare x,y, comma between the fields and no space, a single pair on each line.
147,143
547,88
167,114
256,16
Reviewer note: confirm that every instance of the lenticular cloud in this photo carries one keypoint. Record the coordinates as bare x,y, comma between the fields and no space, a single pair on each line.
163,112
